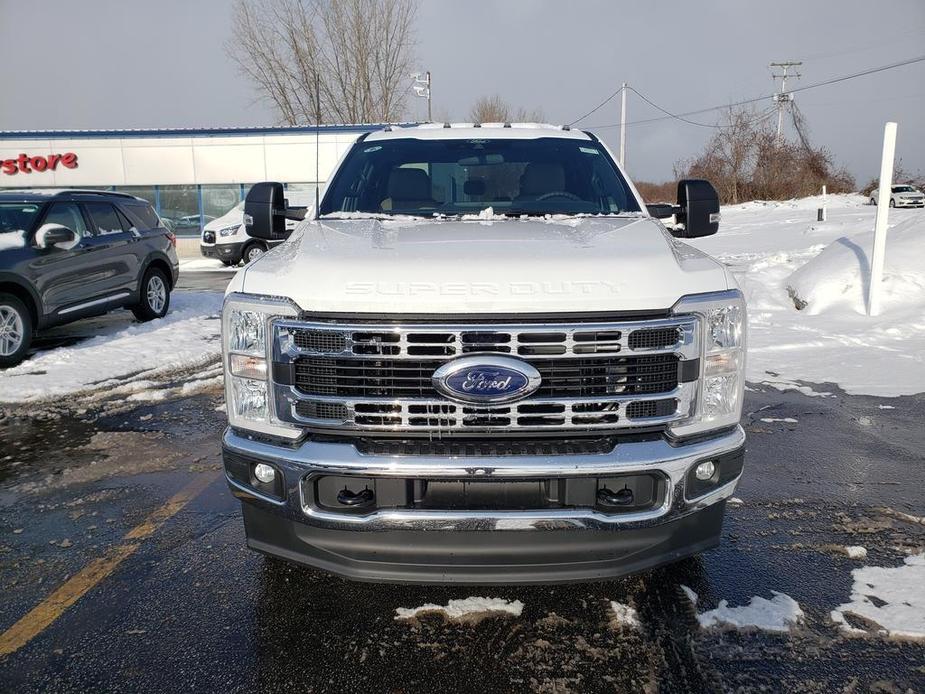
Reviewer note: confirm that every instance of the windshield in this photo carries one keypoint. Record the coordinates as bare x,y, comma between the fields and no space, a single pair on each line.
457,177
903,189
17,216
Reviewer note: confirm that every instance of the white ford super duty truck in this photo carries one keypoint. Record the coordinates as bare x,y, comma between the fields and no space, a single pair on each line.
482,359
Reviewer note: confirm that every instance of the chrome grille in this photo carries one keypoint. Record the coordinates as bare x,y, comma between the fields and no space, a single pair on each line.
525,340
397,378
377,377
527,415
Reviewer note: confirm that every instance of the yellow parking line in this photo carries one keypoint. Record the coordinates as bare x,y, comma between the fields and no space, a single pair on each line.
52,607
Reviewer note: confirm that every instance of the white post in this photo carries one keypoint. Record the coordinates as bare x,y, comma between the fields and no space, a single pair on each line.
883,211
429,117
623,126
825,204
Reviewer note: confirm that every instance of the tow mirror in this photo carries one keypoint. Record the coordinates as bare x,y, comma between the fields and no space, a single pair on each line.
698,209
266,211
55,236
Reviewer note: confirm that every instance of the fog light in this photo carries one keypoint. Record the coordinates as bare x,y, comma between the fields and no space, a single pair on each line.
266,474
704,471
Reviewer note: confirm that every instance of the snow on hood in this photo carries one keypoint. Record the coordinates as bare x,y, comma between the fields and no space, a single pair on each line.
484,266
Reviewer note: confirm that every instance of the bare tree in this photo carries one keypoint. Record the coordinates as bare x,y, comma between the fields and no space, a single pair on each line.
339,61
494,109
746,160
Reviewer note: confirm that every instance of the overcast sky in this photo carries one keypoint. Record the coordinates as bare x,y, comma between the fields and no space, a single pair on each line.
127,64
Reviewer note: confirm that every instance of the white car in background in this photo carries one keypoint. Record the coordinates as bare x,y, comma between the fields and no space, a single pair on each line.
226,239
901,196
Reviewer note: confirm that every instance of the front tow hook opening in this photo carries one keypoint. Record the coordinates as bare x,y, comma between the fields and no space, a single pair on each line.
623,497
355,499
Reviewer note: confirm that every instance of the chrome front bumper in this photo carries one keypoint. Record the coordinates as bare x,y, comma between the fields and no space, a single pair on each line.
323,458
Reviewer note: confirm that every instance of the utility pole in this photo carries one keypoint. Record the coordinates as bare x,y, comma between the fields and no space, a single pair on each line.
783,98
623,126
422,88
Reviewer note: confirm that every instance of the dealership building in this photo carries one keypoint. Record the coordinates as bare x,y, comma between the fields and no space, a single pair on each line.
191,176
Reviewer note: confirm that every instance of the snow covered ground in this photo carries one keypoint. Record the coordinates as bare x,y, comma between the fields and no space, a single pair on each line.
128,358
782,257
780,614
890,601
204,265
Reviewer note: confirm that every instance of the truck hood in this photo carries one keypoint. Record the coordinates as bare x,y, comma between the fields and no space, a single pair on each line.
494,266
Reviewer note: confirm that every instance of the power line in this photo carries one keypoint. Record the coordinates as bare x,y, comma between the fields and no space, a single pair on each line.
600,105
682,116
669,113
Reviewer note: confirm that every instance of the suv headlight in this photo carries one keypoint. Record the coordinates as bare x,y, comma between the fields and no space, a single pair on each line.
248,350
723,325
229,231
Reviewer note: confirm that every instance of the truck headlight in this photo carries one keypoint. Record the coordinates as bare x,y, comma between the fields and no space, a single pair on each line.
248,351
229,231
723,324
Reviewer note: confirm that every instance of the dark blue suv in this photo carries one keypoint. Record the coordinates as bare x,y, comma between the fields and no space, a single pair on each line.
66,255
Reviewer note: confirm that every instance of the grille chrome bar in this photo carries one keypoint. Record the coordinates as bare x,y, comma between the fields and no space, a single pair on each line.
534,341
432,415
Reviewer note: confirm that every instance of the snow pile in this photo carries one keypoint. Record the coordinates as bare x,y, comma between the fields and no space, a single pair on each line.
856,552
778,614
891,600
785,420
12,239
466,609
838,278
126,358
776,250
624,616
811,203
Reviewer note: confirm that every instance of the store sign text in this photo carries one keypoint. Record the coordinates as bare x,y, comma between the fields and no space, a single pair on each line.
26,163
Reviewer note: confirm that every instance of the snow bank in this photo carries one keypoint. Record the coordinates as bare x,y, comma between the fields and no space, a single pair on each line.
779,614
765,245
891,599
127,357
838,278
813,202
466,609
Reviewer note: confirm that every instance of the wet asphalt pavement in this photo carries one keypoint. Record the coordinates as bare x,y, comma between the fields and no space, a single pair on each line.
190,608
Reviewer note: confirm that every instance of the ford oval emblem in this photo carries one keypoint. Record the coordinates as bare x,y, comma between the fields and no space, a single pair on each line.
486,379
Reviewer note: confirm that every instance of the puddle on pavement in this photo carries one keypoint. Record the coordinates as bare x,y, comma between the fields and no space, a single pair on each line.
59,449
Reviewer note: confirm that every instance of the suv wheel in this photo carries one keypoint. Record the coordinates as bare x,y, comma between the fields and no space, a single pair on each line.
252,252
15,330
155,296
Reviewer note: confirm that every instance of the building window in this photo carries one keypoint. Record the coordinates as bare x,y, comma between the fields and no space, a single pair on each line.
217,200
144,192
301,194
179,208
